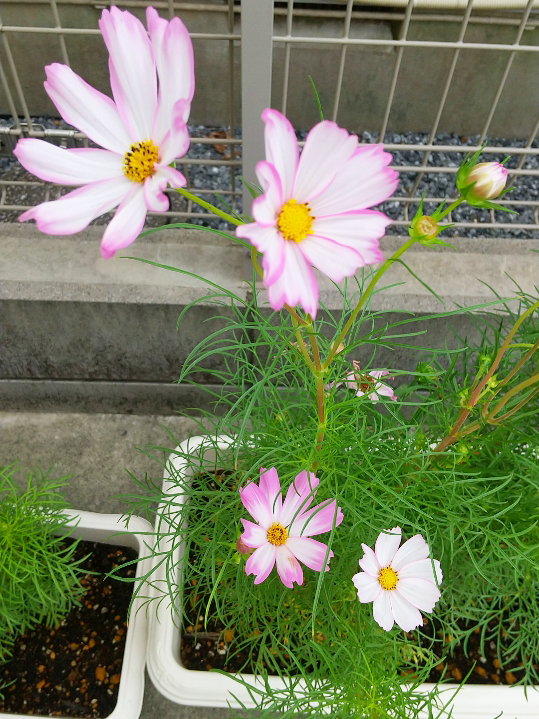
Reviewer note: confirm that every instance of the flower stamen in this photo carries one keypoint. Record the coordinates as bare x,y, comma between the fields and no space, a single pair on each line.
387,578
295,221
277,534
139,161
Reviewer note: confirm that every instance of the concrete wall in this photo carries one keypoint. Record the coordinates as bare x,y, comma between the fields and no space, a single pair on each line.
367,77
100,335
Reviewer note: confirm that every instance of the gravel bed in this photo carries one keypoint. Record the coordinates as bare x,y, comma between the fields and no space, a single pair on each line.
219,178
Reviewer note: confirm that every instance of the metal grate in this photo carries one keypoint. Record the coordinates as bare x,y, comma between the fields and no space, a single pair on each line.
426,157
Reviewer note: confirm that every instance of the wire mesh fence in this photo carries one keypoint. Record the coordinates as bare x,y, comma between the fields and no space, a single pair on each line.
432,79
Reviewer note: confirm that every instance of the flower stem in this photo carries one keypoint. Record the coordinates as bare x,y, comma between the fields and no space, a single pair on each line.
207,206
364,297
319,378
254,261
302,347
450,208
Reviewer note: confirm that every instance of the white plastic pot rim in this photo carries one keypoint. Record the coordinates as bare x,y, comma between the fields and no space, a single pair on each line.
209,689
112,529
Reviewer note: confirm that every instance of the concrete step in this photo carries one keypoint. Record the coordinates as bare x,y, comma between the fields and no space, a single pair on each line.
79,331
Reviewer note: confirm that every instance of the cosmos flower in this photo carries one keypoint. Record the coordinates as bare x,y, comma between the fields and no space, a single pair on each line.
314,209
141,132
399,582
366,383
283,531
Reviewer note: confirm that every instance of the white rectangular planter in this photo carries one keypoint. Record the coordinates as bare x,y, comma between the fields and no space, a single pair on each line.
111,529
196,688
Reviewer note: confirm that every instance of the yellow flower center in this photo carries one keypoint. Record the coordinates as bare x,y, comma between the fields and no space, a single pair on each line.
295,221
140,160
427,227
277,534
387,578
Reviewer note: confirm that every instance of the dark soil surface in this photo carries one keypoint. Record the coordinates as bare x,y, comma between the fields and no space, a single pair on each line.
74,668
483,666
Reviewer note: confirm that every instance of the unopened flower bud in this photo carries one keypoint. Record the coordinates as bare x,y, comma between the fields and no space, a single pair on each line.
241,547
488,180
426,227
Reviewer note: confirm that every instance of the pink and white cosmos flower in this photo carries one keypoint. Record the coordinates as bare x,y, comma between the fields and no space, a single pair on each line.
283,531
399,582
367,383
142,131
314,208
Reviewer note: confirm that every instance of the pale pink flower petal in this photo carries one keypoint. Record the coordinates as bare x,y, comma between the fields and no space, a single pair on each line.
381,611
368,588
173,53
132,71
266,207
327,256
174,144
154,197
74,212
126,225
253,534
360,230
87,109
300,496
369,563
412,550
419,592
317,520
326,149
386,545
296,284
281,148
383,390
270,242
174,177
67,167
256,503
405,614
310,552
270,485
422,569
261,562
288,567
363,181
378,373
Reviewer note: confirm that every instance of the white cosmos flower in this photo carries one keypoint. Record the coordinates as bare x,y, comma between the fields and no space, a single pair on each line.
142,131
400,582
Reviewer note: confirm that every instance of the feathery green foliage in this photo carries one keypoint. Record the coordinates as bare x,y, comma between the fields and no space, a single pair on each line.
39,580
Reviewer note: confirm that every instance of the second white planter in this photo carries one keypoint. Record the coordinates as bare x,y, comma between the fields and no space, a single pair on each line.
196,688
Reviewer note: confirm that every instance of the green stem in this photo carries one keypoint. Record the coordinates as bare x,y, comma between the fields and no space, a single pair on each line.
319,377
302,346
364,297
207,206
254,261
450,208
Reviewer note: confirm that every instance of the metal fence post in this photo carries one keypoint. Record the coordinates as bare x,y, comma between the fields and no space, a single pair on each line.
256,57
